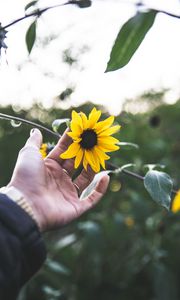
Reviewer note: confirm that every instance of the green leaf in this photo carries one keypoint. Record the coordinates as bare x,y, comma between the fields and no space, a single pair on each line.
93,184
51,292
57,267
58,122
31,36
119,170
30,4
90,227
65,241
84,3
129,39
153,166
80,3
159,185
66,93
128,145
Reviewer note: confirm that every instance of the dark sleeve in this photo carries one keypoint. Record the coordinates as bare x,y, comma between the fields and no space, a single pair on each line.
22,249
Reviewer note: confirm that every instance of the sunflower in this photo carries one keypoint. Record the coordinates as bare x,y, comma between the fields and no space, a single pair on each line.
176,203
91,140
45,149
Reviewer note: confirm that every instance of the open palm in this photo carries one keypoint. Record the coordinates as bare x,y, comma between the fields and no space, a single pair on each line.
48,186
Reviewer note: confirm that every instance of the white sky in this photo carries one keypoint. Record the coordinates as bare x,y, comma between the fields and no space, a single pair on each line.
42,76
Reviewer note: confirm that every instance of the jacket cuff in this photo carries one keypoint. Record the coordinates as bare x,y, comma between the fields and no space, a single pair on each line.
19,223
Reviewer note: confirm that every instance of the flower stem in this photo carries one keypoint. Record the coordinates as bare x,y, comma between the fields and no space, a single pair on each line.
127,172
9,117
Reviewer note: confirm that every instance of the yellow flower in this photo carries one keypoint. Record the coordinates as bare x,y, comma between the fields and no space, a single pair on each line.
91,139
176,203
129,222
45,149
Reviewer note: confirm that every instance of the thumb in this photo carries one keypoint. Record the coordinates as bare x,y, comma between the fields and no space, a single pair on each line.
35,139
96,194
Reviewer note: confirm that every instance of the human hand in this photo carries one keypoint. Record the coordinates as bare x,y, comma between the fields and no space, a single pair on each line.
47,184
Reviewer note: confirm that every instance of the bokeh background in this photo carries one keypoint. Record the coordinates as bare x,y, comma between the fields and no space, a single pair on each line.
127,247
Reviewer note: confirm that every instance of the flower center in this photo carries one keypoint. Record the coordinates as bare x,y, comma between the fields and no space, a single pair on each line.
89,139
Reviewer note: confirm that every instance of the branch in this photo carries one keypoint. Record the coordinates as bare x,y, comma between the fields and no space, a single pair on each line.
137,176
130,173
35,13
39,12
9,117
141,4
168,13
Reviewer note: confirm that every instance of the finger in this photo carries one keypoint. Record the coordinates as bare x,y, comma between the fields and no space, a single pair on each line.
84,179
60,147
96,195
35,139
29,156
68,165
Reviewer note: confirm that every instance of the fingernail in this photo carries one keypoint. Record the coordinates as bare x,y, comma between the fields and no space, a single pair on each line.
32,131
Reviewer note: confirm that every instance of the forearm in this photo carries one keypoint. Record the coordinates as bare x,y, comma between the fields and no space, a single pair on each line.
22,249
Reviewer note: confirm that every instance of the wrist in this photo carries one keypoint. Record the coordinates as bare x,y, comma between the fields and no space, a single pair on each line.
17,196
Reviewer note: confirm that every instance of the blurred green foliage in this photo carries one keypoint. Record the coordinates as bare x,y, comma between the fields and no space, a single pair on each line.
127,247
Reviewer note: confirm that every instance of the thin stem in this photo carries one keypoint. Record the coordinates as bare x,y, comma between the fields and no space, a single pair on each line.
33,14
127,172
39,12
130,173
139,4
169,14
9,117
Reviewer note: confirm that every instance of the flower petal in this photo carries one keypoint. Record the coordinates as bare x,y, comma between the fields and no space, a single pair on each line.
71,151
96,160
78,140
85,163
73,135
43,150
84,120
76,123
107,140
92,161
76,128
78,158
176,202
94,117
101,156
76,118
108,148
102,125
109,131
